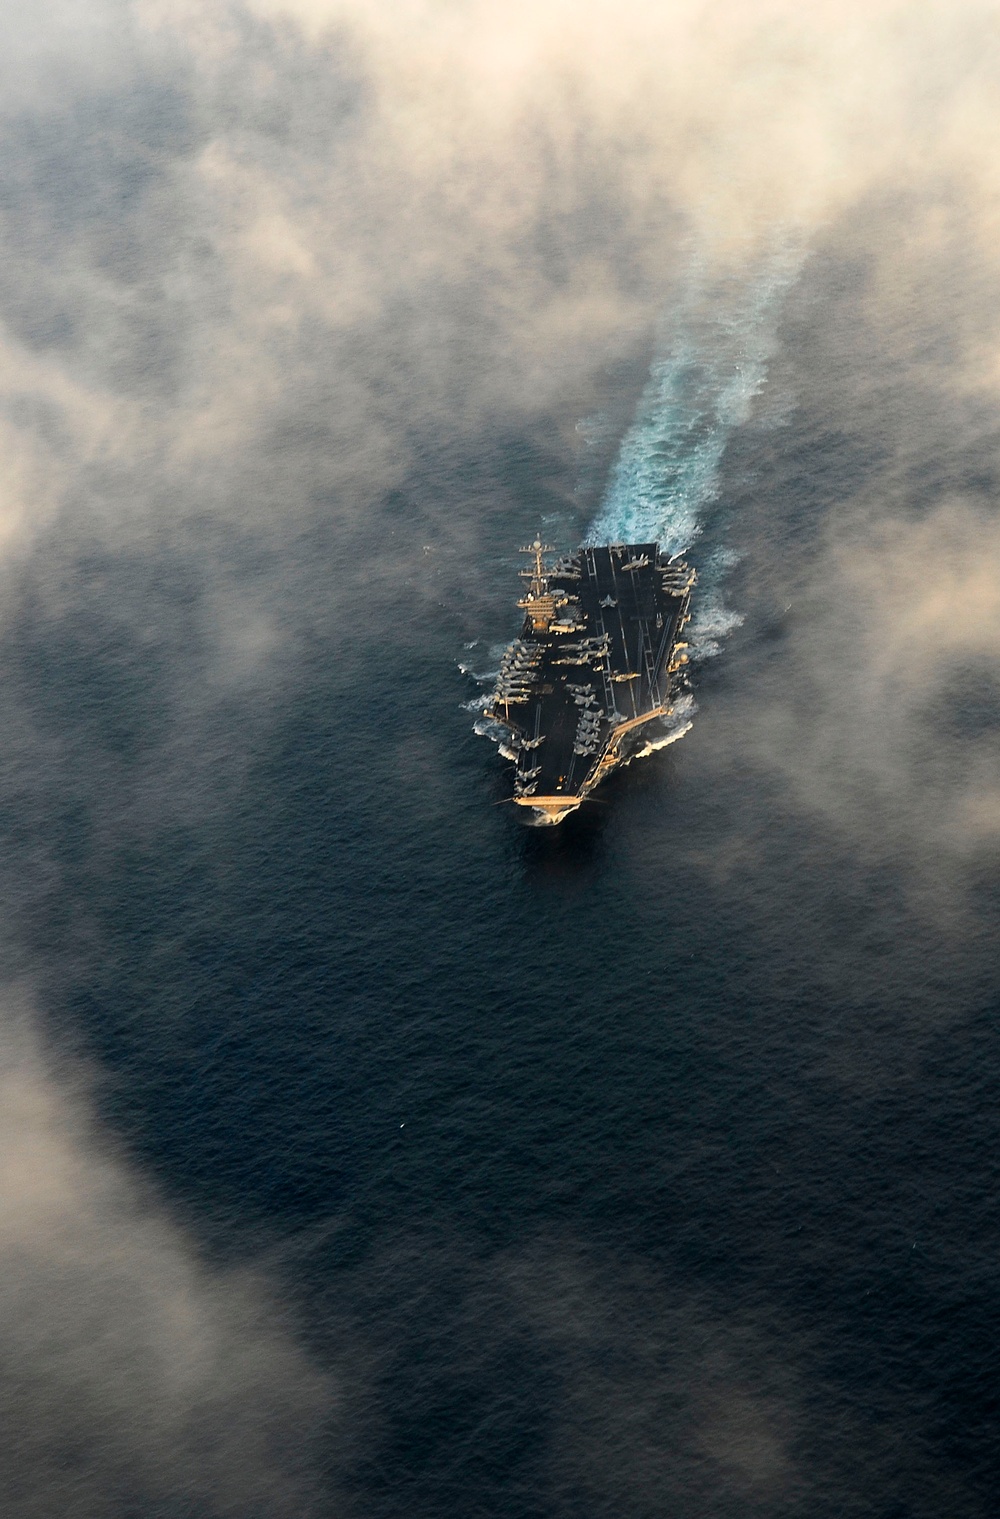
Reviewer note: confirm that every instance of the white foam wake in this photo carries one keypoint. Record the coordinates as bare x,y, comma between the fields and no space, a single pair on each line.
713,352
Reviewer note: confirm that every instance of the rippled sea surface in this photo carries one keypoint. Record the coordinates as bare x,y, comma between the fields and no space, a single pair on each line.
643,1168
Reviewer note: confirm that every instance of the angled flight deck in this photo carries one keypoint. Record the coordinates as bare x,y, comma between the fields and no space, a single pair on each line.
599,658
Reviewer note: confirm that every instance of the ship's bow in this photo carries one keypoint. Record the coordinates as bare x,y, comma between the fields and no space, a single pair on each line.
546,811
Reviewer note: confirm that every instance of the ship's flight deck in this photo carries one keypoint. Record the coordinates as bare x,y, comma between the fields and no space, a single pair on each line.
599,659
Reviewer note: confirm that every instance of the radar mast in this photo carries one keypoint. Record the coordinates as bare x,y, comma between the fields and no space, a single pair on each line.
538,603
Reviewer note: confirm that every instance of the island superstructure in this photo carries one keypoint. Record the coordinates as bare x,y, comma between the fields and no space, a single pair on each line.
594,675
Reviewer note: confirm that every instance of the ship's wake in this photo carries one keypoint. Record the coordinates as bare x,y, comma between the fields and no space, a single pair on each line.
714,349
713,353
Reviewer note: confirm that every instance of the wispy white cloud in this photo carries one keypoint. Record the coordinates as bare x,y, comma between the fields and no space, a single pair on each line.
135,1375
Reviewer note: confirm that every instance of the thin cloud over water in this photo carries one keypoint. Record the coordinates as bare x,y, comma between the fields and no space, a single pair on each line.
302,305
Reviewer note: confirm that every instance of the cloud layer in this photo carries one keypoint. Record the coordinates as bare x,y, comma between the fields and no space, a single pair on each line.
415,216
136,1379
284,279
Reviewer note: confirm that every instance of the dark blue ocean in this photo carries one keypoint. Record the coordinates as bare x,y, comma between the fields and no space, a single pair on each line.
643,1168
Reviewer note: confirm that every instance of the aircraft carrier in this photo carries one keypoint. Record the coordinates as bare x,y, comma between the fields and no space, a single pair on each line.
595,672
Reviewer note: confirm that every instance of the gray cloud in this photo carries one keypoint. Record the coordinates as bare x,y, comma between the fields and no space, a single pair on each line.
136,1378
893,689
267,272
877,707
634,1397
284,256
